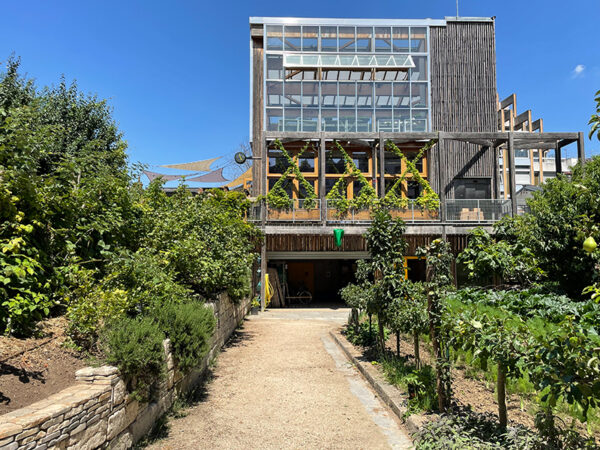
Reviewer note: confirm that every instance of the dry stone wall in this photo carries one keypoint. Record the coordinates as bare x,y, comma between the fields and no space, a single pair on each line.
97,411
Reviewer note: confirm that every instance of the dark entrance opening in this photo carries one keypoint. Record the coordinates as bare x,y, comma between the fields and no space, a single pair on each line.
323,279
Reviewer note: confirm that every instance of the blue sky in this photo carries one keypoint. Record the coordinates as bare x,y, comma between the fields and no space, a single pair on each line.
176,72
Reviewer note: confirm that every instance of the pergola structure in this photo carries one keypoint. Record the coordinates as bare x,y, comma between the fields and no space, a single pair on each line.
486,141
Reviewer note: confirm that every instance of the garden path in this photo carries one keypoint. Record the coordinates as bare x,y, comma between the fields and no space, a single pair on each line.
283,383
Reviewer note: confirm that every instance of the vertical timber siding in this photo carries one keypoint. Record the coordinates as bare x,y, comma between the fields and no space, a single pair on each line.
257,110
463,97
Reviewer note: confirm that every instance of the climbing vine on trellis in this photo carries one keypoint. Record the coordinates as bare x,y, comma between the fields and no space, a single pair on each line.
338,195
427,199
277,197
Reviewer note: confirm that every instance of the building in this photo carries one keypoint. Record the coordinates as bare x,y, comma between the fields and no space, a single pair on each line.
397,105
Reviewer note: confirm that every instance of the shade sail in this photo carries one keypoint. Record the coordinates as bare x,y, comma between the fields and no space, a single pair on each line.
348,61
240,180
154,175
215,176
196,166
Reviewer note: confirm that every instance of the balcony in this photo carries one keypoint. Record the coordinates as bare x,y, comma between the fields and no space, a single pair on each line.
476,211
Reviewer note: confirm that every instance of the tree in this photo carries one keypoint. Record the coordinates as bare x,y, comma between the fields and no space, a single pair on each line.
439,280
387,247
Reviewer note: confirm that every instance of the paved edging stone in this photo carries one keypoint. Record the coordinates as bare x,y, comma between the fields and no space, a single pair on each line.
388,393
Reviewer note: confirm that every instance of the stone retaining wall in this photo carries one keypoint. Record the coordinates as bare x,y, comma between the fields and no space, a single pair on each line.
98,412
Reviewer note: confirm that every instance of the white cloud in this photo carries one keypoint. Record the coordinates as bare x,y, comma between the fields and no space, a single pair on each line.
578,71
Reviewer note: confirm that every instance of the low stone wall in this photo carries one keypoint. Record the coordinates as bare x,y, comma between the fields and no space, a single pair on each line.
98,412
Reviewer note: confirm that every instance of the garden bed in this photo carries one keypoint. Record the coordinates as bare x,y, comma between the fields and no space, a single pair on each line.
34,368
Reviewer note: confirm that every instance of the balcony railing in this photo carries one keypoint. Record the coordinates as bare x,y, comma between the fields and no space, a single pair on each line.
457,211
477,210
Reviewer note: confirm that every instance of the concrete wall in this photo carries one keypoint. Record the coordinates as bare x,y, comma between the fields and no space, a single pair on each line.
98,412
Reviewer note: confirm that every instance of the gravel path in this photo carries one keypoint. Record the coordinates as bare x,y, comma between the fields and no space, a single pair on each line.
284,384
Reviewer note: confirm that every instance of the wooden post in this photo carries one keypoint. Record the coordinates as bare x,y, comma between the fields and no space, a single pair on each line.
264,163
381,166
258,149
441,178
581,148
557,158
263,272
511,163
321,172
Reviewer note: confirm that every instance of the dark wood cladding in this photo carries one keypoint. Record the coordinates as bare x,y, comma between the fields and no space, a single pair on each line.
350,243
463,97
257,112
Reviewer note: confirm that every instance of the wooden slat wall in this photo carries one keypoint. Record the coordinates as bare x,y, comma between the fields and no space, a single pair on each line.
350,243
463,96
257,114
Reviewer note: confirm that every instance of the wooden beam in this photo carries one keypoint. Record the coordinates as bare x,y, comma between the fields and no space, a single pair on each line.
510,100
581,148
321,172
557,158
441,174
512,183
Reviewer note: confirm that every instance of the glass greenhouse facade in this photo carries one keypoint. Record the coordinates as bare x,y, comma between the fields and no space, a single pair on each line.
348,77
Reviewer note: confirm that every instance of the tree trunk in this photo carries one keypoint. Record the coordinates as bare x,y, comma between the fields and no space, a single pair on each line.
501,387
370,328
381,334
354,320
440,366
398,344
417,351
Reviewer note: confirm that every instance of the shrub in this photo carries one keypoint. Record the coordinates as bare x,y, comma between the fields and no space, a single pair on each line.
190,327
135,346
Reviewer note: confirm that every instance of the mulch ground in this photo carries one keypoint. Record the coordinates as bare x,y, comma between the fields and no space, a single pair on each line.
469,391
34,368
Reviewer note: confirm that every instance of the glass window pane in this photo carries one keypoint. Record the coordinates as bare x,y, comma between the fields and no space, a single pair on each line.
302,193
400,39
292,119
275,67
329,120
413,189
419,121
274,119
329,94
411,155
364,37
310,93
364,120
401,95
329,39
383,39
347,120
361,160
419,98
306,163
418,39
383,95
401,120
383,119
347,39
292,39
274,37
389,182
347,95
330,182
288,185
310,119
277,162
310,39
334,162
419,73
392,164
364,95
293,93
274,93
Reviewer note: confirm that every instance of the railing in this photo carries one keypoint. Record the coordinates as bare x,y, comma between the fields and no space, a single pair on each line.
412,213
457,211
477,210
